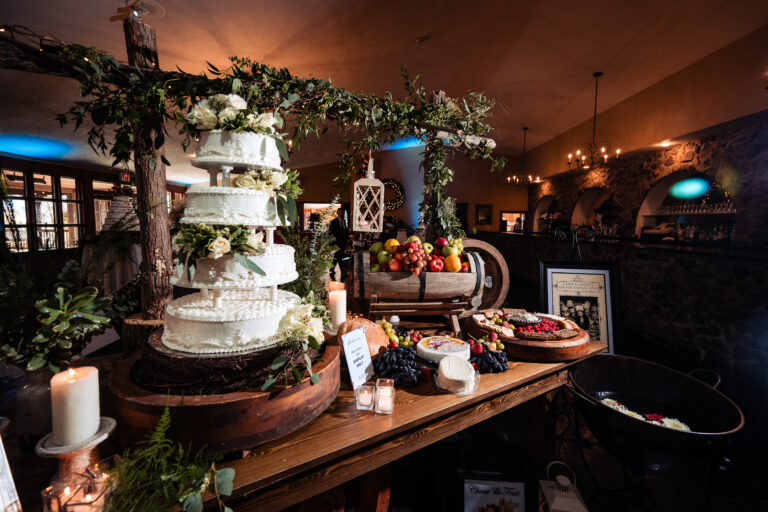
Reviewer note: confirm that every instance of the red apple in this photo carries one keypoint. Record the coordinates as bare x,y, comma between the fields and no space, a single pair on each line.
440,243
395,266
436,265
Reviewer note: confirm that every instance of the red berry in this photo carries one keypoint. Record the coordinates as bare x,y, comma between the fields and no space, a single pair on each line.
477,348
494,337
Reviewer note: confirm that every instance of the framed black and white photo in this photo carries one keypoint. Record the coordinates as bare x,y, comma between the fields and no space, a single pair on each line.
585,293
9,499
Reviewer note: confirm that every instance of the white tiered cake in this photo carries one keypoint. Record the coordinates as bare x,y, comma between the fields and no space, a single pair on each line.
237,309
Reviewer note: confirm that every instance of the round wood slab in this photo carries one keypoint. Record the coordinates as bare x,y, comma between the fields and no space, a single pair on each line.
225,422
539,351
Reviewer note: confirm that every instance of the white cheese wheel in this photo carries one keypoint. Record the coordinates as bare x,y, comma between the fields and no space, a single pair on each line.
456,375
436,348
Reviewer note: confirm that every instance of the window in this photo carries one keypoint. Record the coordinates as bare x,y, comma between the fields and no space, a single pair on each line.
43,212
102,198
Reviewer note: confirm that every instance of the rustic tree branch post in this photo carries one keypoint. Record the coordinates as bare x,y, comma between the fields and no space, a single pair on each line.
141,46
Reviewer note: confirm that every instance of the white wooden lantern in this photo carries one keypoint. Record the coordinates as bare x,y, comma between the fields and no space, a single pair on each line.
368,203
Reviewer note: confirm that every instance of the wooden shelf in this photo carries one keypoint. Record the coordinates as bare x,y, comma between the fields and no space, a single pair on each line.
344,443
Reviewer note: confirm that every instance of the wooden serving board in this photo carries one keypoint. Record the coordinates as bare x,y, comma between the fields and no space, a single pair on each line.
225,422
541,351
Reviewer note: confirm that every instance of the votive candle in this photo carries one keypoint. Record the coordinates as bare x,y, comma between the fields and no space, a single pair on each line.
337,304
385,396
75,405
364,397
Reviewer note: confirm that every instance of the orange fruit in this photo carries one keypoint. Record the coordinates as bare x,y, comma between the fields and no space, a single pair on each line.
452,263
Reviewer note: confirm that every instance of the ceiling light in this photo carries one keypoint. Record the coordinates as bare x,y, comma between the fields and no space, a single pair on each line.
597,151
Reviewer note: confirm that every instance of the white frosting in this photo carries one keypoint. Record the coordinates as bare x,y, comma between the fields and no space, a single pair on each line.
277,262
246,320
456,375
435,348
229,205
238,149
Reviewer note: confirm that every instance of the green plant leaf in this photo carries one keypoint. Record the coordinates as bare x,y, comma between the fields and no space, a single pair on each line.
315,378
281,147
193,503
314,343
292,211
278,362
297,375
236,85
37,362
268,384
248,264
225,481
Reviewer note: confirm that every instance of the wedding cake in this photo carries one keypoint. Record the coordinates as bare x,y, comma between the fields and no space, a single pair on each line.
225,246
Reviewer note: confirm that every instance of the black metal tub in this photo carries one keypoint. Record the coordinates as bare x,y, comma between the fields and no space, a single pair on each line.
646,387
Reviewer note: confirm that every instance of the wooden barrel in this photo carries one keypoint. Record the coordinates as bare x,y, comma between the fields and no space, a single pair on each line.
404,286
496,283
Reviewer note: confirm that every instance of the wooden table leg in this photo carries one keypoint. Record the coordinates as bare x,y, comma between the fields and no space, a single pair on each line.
374,490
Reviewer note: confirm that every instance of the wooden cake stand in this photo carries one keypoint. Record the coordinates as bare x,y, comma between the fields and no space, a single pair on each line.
540,351
224,422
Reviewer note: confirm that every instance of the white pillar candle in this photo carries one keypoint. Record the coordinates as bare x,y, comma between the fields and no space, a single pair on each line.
75,405
335,285
337,303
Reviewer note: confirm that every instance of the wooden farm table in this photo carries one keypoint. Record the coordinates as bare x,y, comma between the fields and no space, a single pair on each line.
344,443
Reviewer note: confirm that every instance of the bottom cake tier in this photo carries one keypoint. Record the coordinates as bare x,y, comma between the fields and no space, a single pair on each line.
244,320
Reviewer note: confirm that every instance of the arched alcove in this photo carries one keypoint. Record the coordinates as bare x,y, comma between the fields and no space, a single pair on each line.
544,205
656,196
584,211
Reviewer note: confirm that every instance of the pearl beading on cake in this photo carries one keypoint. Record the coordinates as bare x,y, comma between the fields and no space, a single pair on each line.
237,305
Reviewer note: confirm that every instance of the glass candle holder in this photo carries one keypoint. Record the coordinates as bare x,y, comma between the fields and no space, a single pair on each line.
365,396
385,396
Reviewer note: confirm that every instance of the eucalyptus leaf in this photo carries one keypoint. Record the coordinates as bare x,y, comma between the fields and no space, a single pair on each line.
278,362
236,85
282,148
268,384
315,378
193,503
248,264
292,210
297,375
308,360
314,343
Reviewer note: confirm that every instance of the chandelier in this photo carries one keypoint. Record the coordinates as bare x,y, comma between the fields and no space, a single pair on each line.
520,179
592,155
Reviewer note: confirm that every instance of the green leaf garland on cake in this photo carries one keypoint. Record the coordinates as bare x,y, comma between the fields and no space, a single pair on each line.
199,241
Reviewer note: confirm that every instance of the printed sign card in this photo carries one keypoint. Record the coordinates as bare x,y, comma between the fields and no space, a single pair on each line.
358,357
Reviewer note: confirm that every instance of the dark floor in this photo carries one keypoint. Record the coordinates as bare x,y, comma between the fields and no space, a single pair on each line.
518,445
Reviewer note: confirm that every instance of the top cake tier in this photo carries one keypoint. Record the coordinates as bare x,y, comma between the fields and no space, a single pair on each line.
230,205
240,150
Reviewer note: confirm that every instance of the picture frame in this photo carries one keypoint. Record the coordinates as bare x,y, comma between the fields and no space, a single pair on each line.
586,293
483,214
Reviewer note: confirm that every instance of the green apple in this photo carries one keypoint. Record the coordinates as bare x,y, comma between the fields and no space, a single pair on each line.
376,248
413,238
384,257
450,250
375,267
428,248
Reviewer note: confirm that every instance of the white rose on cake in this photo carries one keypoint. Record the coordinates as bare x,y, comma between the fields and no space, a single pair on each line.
256,242
262,122
228,113
277,178
202,116
218,247
245,181
218,101
236,101
297,318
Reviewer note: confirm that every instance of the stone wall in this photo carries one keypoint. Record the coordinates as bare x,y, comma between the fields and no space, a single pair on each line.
682,308
734,154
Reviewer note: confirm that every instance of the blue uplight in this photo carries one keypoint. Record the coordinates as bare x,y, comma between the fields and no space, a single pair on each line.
690,188
404,142
28,145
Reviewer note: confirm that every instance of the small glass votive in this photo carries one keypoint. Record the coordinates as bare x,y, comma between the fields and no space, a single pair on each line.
364,397
385,396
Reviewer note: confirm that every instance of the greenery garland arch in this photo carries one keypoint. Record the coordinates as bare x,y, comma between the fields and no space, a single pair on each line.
119,100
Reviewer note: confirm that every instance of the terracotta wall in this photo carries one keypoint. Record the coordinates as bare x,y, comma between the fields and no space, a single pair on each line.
725,85
735,154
